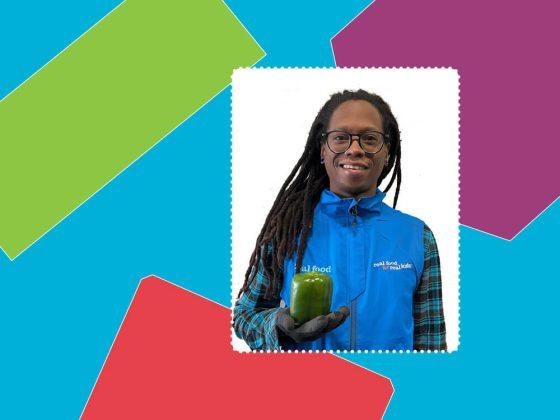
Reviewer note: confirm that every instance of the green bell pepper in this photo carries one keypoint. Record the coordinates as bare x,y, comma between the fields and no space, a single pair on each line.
311,295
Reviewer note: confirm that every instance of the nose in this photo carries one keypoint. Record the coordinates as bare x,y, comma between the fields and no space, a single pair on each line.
355,149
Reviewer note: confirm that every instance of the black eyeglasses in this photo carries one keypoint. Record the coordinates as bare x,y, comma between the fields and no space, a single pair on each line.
340,141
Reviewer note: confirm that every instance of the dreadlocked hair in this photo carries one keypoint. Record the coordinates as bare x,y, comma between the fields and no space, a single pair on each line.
289,221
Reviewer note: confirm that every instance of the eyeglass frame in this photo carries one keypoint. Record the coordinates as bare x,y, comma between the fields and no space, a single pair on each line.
386,139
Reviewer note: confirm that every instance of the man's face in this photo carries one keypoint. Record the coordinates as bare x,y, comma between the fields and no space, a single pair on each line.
354,116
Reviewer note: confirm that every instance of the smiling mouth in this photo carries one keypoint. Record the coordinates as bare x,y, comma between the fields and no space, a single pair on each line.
353,167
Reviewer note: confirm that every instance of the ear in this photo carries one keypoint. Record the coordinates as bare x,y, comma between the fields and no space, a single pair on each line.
322,151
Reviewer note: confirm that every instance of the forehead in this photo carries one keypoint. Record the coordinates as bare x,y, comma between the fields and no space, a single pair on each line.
356,115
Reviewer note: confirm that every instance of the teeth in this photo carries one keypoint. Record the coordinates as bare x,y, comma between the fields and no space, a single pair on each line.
353,167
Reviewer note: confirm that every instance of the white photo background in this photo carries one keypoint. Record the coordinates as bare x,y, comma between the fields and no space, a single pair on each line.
272,112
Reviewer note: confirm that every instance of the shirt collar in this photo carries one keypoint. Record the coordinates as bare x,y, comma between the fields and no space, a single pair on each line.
333,204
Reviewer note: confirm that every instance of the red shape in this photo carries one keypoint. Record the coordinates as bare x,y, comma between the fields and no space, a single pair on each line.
172,358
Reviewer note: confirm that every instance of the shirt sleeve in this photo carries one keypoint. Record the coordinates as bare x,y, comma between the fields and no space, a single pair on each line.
429,322
254,316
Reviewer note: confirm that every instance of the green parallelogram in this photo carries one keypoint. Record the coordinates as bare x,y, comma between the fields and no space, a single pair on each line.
106,100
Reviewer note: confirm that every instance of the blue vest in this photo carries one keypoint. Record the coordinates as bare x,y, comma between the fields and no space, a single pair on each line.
375,256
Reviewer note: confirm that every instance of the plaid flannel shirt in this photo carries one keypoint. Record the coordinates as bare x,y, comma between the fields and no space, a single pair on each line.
254,316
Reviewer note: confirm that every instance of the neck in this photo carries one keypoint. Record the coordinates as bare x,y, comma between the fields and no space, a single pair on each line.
356,196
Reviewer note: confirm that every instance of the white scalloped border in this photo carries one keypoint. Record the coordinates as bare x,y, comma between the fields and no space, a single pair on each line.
331,68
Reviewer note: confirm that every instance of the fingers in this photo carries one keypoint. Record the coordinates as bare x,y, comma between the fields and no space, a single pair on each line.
345,311
336,318
315,325
313,329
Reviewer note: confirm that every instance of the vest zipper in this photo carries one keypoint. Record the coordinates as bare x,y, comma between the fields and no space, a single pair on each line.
353,321
353,304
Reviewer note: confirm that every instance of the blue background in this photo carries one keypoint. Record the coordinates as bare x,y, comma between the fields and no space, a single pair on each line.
62,300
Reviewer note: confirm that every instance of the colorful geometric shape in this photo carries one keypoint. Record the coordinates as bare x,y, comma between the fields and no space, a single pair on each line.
106,100
63,300
172,358
503,52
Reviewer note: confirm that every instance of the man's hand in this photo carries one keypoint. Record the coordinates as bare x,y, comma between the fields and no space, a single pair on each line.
313,329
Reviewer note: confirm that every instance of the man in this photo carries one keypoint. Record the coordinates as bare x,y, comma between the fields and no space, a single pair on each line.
329,214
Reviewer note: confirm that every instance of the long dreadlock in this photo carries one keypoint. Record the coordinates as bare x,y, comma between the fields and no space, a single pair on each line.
291,214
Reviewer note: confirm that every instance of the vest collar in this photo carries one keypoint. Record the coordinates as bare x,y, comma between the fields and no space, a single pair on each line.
334,205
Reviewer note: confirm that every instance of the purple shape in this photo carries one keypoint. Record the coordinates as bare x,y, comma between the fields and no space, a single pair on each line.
509,74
